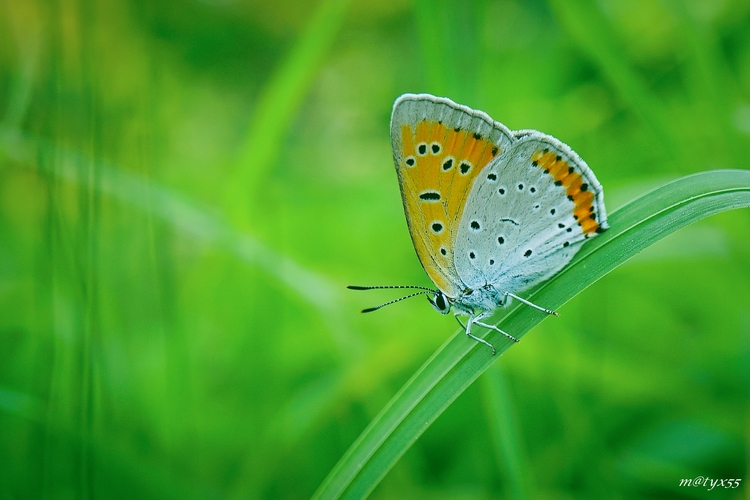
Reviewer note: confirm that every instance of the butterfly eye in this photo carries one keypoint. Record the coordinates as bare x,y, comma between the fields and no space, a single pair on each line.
440,304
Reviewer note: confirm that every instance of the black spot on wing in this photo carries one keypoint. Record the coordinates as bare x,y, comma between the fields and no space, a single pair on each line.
430,196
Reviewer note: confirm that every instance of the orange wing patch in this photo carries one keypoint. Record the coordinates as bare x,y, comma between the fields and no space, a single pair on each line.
575,187
438,167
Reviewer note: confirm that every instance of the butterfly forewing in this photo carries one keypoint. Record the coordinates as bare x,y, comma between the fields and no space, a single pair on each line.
439,149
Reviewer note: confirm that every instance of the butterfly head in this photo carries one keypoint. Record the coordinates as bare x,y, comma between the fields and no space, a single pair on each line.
440,302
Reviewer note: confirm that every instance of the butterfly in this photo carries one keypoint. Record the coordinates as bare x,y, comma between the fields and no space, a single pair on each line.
491,212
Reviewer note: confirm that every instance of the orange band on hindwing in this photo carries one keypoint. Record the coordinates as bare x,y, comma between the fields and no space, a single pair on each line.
575,187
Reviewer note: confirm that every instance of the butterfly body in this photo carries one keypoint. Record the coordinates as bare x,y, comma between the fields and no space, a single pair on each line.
491,212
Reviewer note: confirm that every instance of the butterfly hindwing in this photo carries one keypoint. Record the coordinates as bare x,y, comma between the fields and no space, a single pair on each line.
439,149
527,215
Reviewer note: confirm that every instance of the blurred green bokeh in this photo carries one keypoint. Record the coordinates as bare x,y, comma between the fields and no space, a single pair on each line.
187,187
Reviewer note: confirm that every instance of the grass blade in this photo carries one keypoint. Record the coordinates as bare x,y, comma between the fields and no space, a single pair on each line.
281,99
459,362
506,434
584,22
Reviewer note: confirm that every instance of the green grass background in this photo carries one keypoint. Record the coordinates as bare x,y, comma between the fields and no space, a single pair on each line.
187,187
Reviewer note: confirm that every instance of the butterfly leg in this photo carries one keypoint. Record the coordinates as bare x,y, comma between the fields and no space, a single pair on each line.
467,330
524,301
491,327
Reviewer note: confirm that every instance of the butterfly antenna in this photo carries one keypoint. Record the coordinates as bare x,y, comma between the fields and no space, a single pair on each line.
371,309
409,287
